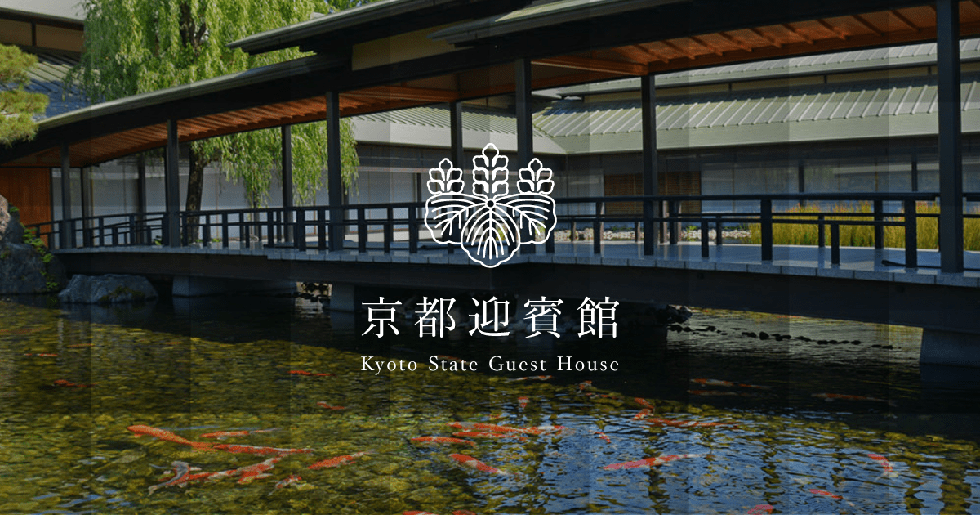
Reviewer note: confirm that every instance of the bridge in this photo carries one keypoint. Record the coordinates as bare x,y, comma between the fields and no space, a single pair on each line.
372,248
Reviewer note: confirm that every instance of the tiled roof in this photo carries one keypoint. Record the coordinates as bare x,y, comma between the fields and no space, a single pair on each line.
47,77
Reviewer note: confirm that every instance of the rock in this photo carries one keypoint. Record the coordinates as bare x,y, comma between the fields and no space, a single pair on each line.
107,289
23,269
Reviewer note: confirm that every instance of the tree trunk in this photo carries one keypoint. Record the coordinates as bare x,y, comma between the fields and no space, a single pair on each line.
195,190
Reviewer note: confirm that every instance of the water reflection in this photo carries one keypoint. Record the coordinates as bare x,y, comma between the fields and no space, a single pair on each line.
230,364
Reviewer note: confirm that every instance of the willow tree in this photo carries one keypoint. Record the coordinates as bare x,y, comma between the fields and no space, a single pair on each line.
17,107
136,46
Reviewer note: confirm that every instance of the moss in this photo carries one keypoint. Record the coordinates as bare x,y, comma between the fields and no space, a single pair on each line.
120,291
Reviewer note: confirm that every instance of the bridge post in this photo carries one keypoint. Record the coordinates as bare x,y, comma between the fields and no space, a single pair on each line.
65,238
950,158
648,91
171,179
525,131
335,185
287,182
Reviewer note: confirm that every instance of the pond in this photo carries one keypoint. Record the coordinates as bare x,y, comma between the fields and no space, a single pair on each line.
729,413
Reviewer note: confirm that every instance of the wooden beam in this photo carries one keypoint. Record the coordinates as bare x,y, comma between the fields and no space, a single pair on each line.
797,33
762,35
679,49
589,63
831,28
905,20
735,41
634,54
874,30
409,93
705,45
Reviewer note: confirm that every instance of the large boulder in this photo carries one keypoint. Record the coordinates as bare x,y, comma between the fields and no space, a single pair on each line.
24,269
107,289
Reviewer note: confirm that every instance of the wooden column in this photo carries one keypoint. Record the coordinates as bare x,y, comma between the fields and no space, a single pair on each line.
950,158
335,183
65,197
287,181
648,93
525,131
171,179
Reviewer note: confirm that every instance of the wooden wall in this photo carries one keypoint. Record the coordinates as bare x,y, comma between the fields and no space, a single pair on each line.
30,190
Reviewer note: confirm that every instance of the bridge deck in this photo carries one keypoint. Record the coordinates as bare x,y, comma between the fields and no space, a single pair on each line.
856,263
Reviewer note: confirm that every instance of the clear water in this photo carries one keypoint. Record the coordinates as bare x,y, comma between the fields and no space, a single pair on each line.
223,364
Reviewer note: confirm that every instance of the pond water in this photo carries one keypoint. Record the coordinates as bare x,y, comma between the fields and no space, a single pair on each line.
834,417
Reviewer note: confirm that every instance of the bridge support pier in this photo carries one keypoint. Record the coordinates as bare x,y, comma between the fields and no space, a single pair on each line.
192,286
949,348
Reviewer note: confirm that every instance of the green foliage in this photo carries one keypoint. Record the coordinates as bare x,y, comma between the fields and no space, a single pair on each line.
137,46
31,238
17,107
927,228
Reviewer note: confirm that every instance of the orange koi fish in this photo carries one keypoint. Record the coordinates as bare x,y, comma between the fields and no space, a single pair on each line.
182,476
469,461
840,397
530,378
471,434
669,422
221,435
603,436
259,450
584,384
42,355
68,384
650,462
291,480
416,512
887,469
463,512
489,427
645,403
161,434
522,402
760,509
257,471
442,439
643,413
337,461
323,404
825,493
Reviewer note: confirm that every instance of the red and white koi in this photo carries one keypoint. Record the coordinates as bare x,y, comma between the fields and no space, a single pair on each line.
289,481
650,462
442,440
642,414
337,461
760,509
472,434
259,450
825,493
257,471
602,435
727,384
522,402
471,462
221,435
488,427
584,384
645,403
182,476
887,469
42,355
463,512
161,434
323,404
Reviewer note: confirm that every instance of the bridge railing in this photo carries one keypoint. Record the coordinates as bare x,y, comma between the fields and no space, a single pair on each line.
388,227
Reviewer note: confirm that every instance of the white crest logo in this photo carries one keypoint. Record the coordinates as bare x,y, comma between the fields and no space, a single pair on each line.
491,223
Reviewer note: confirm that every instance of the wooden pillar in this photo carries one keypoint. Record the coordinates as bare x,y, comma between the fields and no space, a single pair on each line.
950,158
648,93
171,179
335,183
525,131
287,181
65,197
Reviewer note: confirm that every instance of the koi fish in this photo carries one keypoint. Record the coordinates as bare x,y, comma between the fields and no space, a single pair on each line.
68,384
337,461
489,427
221,435
416,512
650,462
522,402
469,461
711,393
305,373
643,413
825,493
463,512
645,403
760,509
887,469
442,439
471,434
42,355
530,378
669,422
257,471
584,384
182,476
603,436
840,397
161,434
291,480
259,450
323,404
728,384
